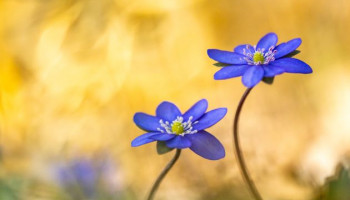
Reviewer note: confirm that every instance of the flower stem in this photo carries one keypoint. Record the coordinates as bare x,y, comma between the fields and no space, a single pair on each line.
163,174
238,151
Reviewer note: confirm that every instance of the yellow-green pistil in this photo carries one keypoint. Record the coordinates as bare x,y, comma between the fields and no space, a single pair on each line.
177,128
258,57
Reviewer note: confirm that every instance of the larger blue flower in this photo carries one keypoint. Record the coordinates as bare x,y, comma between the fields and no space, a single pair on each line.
182,130
254,63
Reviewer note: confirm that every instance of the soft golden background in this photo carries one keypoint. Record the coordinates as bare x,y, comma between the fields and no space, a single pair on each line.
73,73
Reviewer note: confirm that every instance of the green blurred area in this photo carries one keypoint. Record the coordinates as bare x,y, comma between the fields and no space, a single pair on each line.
73,73
337,186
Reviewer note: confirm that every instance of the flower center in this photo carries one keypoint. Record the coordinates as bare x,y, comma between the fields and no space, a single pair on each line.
178,126
258,57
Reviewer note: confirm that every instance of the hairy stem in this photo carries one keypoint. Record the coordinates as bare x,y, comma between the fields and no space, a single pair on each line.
238,151
163,174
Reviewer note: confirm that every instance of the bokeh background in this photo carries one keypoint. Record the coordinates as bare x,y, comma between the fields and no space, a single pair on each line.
73,73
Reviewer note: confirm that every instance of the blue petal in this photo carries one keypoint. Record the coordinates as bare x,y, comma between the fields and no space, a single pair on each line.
143,139
271,71
196,111
292,65
146,122
167,111
253,76
247,48
179,142
162,136
286,48
230,72
226,56
206,145
209,119
267,41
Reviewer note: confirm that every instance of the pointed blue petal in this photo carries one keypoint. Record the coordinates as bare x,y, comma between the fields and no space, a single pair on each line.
167,111
253,76
227,57
244,48
179,142
230,72
267,41
292,65
143,139
271,71
206,145
163,136
196,111
209,119
286,48
146,122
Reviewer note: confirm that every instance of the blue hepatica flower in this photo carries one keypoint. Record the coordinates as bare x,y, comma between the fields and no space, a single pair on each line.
254,63
182,130
83,178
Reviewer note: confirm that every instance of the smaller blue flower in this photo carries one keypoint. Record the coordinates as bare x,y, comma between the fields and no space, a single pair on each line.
254,63
182,130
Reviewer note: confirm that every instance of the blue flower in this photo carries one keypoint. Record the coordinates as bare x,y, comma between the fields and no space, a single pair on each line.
87,178
80,173
254,63
182,130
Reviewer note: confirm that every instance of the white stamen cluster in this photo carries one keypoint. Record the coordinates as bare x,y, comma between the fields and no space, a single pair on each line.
187,126
269,56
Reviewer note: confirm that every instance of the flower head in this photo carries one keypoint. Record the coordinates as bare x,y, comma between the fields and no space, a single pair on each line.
182,130
265,60
88,178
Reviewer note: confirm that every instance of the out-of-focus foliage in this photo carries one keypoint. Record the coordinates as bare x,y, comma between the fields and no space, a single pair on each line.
10,188
337,187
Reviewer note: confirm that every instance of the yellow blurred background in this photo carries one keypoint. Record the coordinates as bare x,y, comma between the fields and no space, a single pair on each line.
73,73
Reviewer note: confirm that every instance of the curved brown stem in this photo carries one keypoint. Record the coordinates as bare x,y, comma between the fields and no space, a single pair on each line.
237,148
162,174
